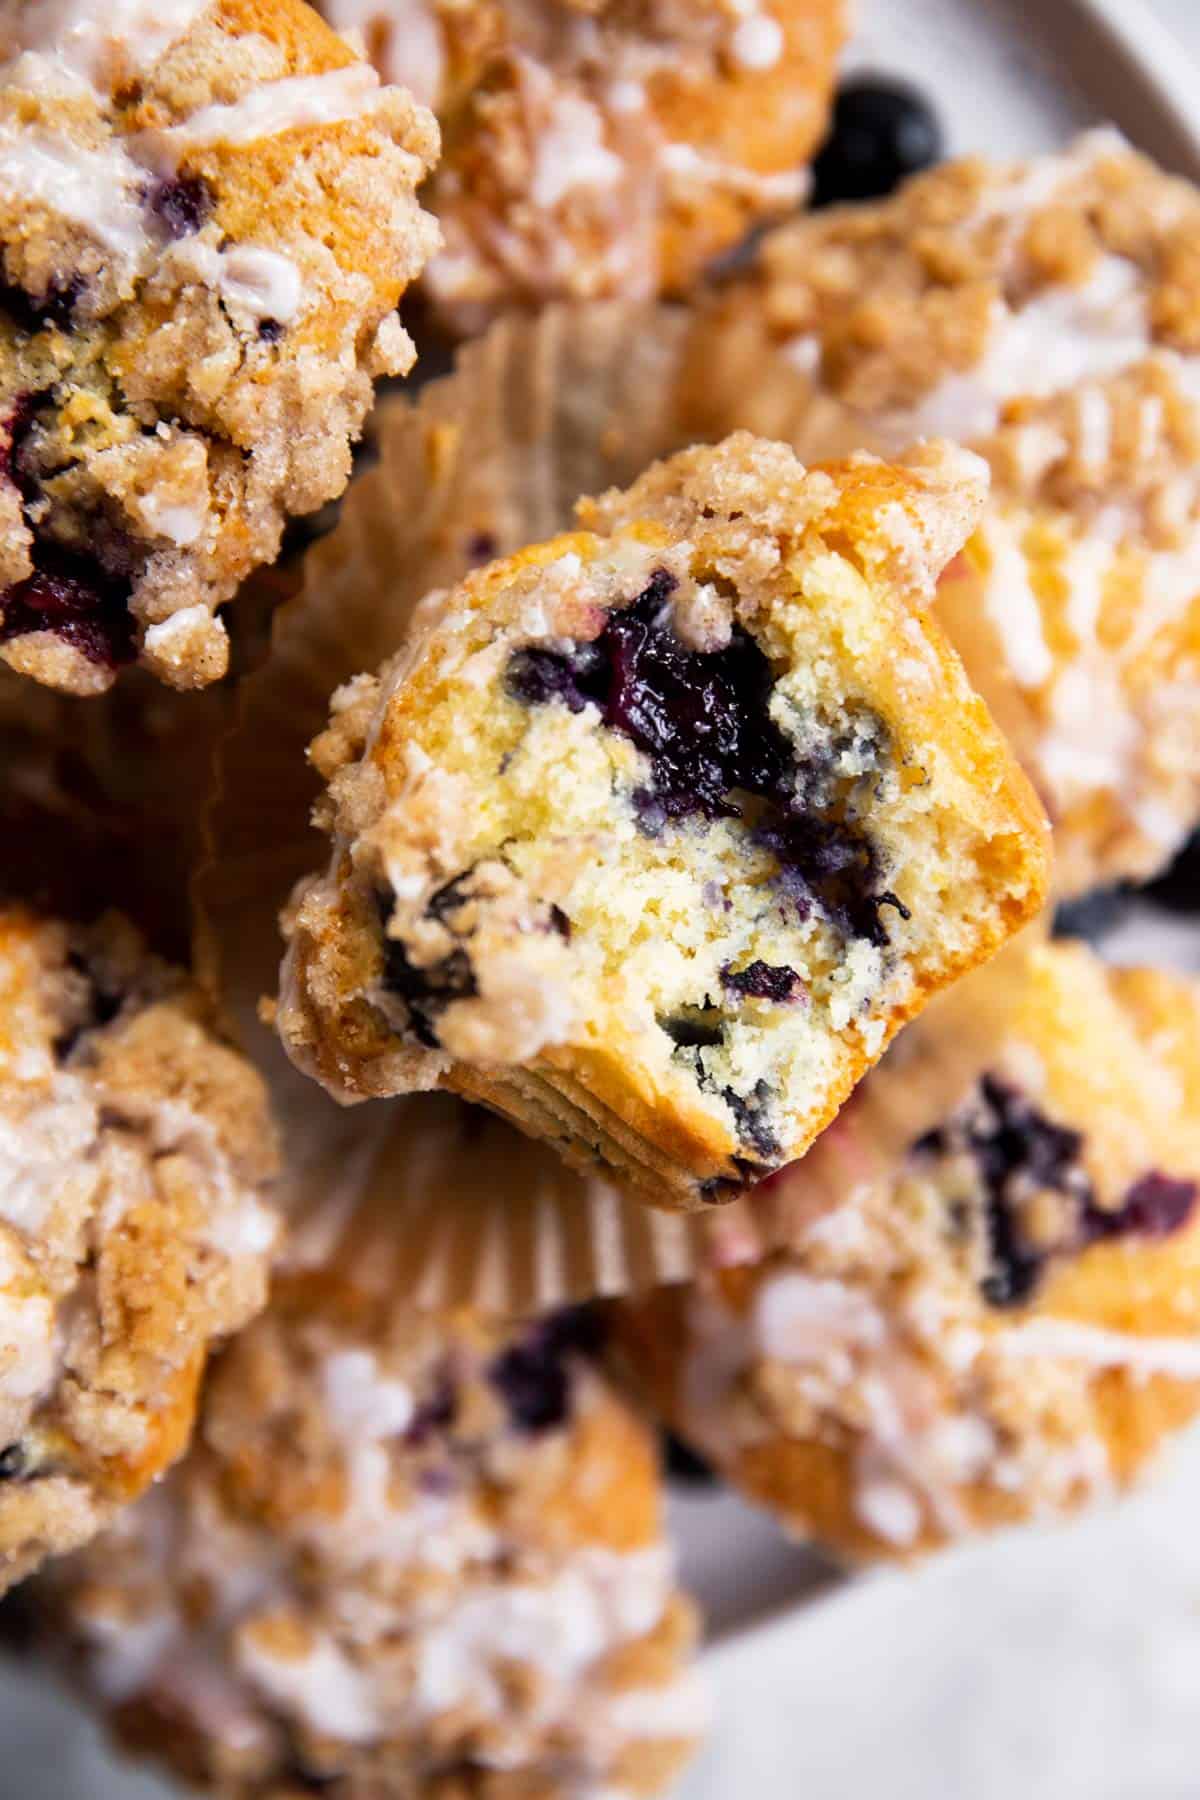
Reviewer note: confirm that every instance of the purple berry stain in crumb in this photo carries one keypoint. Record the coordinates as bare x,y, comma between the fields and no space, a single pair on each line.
702,718
533,1376
182,204
73,596
17,429
752,1114
1018,1152
31,313
764,981
426,992
435,1413
1154,1207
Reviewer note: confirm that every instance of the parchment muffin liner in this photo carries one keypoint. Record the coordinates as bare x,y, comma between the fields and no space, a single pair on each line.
483,461
102,799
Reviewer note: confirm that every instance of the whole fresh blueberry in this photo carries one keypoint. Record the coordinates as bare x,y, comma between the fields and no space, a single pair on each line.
683,1464
1179,888
882,132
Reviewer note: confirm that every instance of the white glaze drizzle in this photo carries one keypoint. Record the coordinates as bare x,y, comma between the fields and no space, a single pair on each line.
571,153
1014,611
403,38
96,186
97,40
323,1687
559,1627
295,103
249,277
687,165
1103,1349
1063,337
756,42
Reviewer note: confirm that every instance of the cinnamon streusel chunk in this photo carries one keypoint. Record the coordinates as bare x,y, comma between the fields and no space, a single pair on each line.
654,835
135,1228
1000,1323
1047,314
207,217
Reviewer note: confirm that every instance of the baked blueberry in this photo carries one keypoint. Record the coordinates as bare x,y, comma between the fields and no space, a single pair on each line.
1092,916
183,204
682,1463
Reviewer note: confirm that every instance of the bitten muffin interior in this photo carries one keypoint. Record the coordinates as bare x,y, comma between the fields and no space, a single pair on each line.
685,817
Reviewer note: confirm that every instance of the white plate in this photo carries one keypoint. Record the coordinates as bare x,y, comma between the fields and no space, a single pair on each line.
1059,1666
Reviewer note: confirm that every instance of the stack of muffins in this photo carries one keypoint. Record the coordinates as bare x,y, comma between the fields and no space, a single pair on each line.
674,748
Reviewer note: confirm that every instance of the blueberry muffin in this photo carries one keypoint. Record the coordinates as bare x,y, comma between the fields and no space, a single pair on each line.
135,1228
653,835
1000,1322
602,147
410,1555
207,217
1047,314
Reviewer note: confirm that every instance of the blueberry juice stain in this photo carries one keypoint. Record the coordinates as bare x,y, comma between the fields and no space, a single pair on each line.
1017,1150
80,598
702,719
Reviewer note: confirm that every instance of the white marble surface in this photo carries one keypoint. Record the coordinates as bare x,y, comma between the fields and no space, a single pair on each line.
1055,1665
1183,16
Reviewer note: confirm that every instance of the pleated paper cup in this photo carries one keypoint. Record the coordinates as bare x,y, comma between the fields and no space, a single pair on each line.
101,799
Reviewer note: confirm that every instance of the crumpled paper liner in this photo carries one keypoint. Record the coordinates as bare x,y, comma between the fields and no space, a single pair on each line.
486,460
101,799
